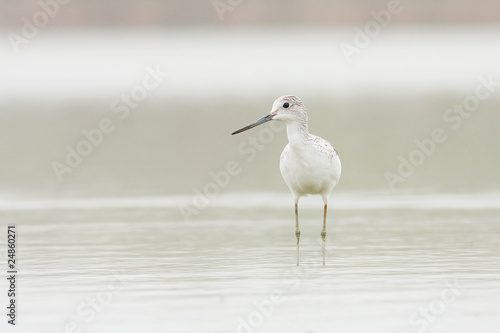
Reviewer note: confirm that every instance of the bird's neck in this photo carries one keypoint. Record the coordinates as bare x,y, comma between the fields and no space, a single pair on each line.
298,133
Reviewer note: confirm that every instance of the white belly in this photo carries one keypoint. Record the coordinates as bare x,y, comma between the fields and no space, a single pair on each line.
310,169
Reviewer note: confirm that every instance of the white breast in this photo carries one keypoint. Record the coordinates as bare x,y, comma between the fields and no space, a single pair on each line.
310,168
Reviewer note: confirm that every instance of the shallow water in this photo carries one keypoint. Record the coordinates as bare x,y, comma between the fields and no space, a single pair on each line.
394,264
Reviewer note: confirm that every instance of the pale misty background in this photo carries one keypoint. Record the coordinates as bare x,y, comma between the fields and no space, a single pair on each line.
224,74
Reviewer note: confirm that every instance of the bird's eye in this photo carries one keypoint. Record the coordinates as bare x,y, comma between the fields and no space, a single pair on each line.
286,105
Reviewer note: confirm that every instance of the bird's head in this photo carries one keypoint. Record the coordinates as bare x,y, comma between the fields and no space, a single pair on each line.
288,108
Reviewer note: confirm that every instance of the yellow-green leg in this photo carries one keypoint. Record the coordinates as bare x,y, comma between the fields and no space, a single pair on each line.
323,234
297,231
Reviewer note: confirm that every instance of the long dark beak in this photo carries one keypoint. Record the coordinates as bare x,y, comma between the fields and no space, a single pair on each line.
257,123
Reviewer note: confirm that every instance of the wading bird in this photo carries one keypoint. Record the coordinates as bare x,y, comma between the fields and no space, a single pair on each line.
308,164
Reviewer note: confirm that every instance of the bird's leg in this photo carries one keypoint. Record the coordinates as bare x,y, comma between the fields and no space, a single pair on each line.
297,231
323,234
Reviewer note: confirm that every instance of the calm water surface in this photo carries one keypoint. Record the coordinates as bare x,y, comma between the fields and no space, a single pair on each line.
422,263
